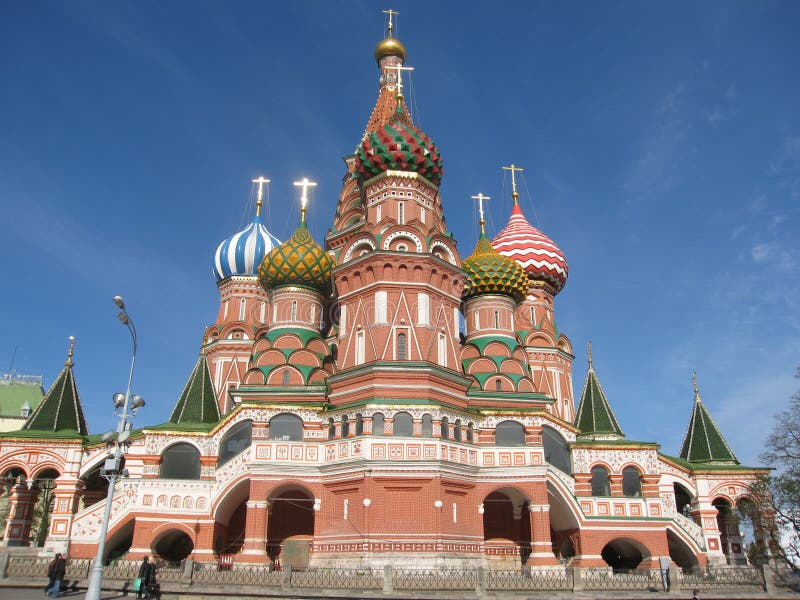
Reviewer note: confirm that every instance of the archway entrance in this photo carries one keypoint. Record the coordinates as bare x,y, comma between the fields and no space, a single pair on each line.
680,552
564,530
506,519
173,546
118,544
230,519
291,526
623,554
40,524
729,533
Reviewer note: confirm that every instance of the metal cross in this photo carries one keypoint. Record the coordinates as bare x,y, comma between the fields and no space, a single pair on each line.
694,384
513,168
305,184
589,351
260,181
390,12
399,68
480,198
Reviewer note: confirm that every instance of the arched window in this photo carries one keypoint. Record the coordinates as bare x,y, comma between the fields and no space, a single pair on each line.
237,439
498,385
427,425
359,424
294,310
631,482
331,429
509,433
286,376
600,485
180,461
457,431
286,426
556,451
470,434
402,347
378,423
403,424
345,426
445,429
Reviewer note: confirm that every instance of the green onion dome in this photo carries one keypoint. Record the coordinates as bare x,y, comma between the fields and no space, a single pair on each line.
489,272
298,261
399,146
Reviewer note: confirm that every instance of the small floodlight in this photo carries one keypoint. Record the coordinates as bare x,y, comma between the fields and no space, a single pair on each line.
119,400
107,437
123,437
119,302
123,318
136,402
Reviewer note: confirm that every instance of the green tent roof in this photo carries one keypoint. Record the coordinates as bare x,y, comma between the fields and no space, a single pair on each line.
704,443
595,417
198,402
60,409
17,391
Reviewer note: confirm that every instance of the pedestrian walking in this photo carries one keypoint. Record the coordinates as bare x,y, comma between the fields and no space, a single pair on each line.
55,573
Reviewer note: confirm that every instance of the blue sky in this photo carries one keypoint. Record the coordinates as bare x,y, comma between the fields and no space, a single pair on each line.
660,141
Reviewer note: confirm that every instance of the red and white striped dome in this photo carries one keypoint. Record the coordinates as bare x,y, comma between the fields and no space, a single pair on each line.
542,260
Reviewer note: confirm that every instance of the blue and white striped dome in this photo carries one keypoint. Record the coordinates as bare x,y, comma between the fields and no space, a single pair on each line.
242,253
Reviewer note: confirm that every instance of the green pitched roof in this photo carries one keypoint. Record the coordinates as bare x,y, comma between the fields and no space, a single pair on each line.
704,443
595,417
60,409
18,390
198,402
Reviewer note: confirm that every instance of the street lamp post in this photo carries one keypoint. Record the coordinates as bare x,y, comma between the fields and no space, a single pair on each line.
125,406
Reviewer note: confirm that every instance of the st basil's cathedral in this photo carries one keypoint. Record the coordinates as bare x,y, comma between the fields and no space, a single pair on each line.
373,398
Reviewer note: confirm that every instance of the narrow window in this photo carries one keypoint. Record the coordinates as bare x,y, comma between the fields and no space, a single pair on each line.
498,385
263,312
470,433
360,348
294,310
600,485
313,312
533,315
380,306
342,320
345,507
378,424
345,426
457,431
442,350
403,424
225,312
477,321
423,309
445,435
378,212
401,213
631,482
359,424
455,512
427,425
242,306
497,319
286,377
401,347
422,214
331,429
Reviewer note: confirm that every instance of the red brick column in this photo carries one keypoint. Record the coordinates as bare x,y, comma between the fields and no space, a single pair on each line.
541,542
20,514
615,483
254,549
65,503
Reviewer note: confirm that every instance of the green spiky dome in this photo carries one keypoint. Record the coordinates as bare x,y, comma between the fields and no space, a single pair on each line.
489,272
298,261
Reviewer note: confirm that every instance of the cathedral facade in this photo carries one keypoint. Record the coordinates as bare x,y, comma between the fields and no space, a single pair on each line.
378,399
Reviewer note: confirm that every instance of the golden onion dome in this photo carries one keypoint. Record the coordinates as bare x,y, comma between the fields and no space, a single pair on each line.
390,46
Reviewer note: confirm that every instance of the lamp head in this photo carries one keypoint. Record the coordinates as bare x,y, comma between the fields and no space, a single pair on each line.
119,302
119,400
108,437
123,318
137,402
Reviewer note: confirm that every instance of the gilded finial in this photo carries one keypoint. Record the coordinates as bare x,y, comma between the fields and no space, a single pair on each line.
71,351
390,12
259,199
480,198
514,194
695,386
305,184
589,353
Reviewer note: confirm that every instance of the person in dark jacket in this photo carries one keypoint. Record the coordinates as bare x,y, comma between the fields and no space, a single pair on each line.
55,572
144,570
147,573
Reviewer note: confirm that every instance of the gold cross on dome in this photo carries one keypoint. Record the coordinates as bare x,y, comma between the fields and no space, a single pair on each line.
305,184
260,181
390,12
480,198
399,68
513,168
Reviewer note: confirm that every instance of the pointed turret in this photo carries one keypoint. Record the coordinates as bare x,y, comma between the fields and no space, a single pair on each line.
704,443
595,417
60,409
198,402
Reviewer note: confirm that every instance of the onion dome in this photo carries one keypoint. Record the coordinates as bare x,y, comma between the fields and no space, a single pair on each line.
390,46
543,261
241,253
489,272
298,261
399,146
